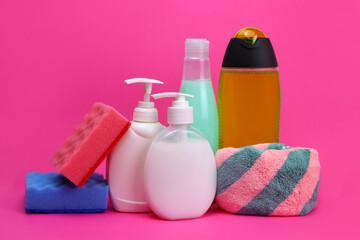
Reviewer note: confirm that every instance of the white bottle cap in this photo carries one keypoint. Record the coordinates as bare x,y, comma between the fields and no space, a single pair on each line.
197,48
180,112
145,112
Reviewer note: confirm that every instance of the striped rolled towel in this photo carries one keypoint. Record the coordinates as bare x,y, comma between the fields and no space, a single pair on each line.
267,179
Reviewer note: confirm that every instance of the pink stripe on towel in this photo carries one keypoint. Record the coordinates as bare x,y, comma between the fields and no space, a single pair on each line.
303,191
261,146
261,173
223,154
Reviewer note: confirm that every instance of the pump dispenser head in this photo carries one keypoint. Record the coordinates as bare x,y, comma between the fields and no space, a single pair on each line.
180,112
145,112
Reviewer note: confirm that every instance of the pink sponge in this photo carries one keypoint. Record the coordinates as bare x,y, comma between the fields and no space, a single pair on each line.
90,143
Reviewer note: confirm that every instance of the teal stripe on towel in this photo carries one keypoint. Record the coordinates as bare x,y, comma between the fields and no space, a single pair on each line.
230,171
281,186
312,201
277,146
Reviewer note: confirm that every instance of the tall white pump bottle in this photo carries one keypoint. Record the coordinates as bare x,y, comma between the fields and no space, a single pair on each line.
125,168
180,171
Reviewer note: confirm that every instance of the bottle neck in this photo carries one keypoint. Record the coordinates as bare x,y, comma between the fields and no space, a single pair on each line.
196,69
179,126
145,115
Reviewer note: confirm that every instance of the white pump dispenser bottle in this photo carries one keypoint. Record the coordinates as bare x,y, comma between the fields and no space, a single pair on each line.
125,168
180,171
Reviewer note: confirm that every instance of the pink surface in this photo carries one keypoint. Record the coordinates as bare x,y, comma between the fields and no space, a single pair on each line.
59,57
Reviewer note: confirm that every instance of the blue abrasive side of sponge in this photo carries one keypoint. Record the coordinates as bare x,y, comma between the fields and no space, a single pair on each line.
54,193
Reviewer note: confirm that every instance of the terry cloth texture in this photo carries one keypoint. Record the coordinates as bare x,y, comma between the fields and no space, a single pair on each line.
267,179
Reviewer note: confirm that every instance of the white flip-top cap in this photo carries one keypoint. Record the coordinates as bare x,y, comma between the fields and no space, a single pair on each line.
180,112
197,48
145,112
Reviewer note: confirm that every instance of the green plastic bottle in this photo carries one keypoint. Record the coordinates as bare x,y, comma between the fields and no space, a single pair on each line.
196,81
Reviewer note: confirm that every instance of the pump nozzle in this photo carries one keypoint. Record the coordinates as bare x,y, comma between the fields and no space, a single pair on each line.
180,98
179,112
147,85
145,112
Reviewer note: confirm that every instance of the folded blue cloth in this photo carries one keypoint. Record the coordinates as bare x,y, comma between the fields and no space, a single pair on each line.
54,193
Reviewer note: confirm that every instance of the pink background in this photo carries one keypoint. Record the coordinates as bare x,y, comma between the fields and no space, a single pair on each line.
59,57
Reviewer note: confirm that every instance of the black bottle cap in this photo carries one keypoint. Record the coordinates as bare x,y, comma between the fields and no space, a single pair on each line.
240,54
